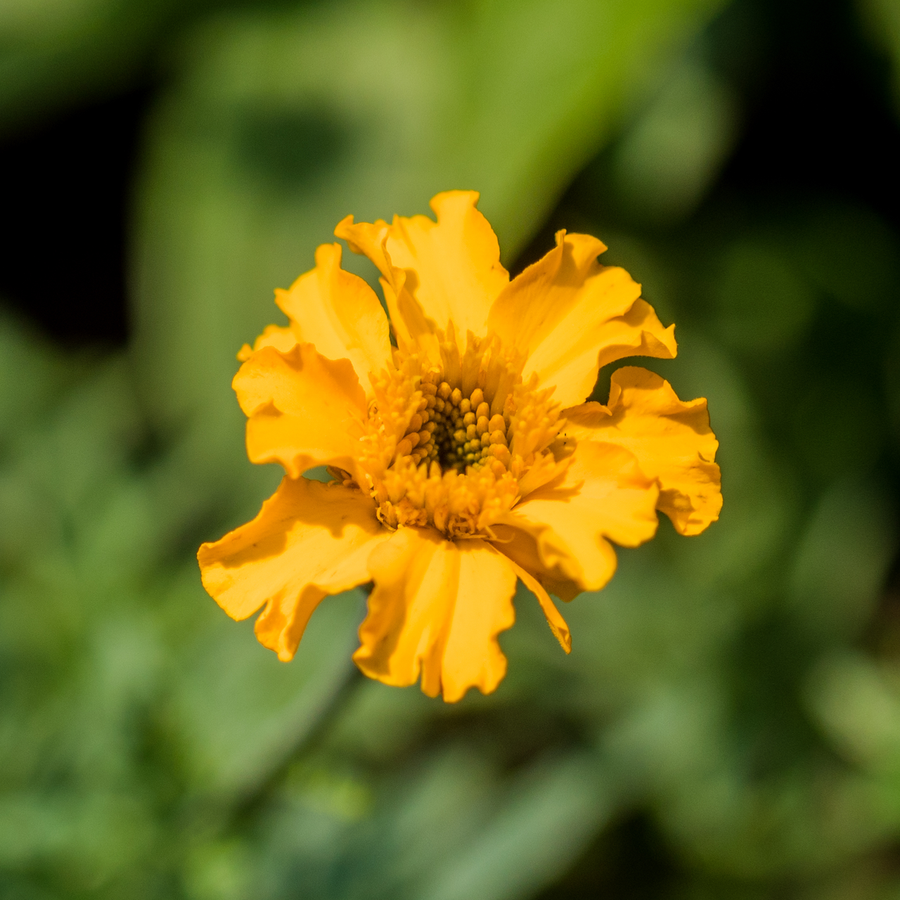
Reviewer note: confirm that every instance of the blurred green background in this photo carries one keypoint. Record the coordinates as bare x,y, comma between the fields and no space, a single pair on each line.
728,724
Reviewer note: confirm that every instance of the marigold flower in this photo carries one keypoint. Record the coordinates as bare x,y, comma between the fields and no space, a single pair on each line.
462,455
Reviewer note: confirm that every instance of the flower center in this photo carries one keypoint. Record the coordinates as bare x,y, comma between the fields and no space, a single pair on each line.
454,445
455,431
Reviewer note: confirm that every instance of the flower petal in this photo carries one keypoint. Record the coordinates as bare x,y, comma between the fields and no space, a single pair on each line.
556,622
569,315
521,548
308,540
671,439
303,410
368,239
276,336
602,496
413,331
436,609
452,266
338,313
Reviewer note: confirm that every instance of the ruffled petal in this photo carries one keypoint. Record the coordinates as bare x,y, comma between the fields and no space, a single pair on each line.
521,548
671,439
436,610
303,410
603,496
554,619
368,239
452,266
569,316
338,313
412,329
308,540
277,336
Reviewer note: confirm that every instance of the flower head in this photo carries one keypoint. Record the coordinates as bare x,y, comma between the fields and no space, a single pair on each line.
462,454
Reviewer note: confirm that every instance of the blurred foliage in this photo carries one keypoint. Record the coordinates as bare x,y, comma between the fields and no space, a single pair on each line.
728,724
883,19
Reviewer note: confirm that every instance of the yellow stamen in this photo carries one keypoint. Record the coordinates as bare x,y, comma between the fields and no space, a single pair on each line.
449,446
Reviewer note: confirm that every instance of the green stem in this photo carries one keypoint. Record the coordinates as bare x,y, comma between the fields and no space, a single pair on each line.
315,730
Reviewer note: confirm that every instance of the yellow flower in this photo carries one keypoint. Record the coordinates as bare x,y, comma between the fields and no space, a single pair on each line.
462,456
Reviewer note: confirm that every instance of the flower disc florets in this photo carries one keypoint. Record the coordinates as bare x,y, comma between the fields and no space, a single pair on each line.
449,445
